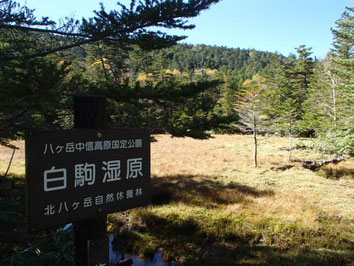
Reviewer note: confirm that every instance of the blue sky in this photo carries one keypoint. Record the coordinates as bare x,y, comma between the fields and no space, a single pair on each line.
265,25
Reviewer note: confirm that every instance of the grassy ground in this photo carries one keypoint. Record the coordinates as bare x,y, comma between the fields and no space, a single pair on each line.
18,163
210,206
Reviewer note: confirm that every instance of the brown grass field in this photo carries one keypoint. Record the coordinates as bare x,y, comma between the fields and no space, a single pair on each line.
211,206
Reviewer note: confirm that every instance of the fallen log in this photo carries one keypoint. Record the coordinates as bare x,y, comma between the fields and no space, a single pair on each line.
313,165
282,168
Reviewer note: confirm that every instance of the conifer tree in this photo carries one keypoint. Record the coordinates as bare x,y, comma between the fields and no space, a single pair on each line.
298,73
343,67
287,88
341,137
329,107
28,41
322,102
127,25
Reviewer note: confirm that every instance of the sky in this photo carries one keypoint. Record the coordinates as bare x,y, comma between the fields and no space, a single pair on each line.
264,25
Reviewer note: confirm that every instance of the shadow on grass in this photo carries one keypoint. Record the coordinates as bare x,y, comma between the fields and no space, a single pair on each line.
12,186
190,249
202,191
336,172
211,236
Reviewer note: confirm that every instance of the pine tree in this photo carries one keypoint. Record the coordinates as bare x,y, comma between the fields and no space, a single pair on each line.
321,106
343,67
29,95
28,44
329,107
287,85
343,133
303,71
127,25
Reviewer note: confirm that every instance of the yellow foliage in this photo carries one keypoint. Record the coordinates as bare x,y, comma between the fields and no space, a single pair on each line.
256,80
99,61
142,77
247,83
210,71
175,72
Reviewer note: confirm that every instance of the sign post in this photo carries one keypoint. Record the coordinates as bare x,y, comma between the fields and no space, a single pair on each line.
81,175
89,112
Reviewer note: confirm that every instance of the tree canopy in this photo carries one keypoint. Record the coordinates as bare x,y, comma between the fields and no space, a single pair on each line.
126,25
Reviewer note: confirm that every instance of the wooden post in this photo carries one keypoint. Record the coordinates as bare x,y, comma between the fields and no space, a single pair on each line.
89,113
8,168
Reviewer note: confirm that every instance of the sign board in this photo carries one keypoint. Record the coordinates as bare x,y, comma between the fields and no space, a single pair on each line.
74,175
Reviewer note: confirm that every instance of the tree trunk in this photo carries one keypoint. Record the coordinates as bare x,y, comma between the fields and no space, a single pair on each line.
102,62
8,168
333,86
255,143
290,147
290,143
334,93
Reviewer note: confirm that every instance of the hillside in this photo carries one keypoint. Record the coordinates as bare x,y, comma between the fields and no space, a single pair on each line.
188,57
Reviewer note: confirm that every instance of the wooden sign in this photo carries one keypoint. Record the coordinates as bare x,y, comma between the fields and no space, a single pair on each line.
74,175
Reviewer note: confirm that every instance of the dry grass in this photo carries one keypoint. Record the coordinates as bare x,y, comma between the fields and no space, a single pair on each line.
18,163
171,156
211,206
230,158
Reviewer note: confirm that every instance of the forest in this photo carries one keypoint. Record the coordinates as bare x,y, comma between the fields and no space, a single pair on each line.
193,94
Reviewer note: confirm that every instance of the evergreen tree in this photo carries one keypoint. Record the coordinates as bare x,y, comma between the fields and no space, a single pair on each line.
287,85
98,68
125,26
322,102
343,35
296,76
29,96
343,67
340,138
329,108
